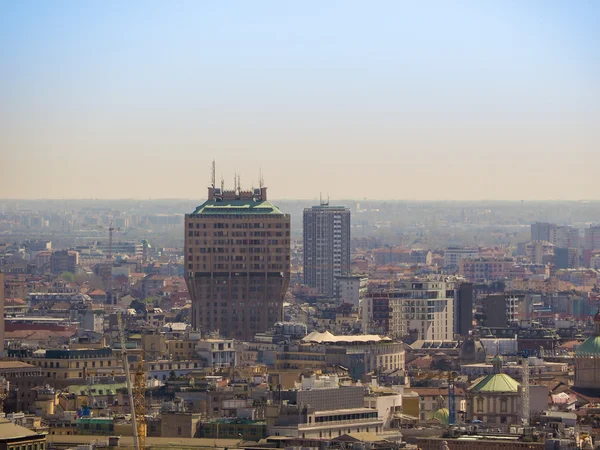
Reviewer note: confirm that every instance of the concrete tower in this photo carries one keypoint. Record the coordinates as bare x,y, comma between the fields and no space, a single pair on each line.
326,246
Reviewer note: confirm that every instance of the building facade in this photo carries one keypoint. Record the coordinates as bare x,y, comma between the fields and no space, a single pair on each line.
463,309
559,235
485,269
453,255
424,307
351,289
326,246
592,238
64,261
502,310
237,247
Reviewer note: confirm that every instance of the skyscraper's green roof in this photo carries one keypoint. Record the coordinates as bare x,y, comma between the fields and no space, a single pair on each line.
211,207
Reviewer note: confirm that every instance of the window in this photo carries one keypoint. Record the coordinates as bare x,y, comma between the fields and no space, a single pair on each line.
503,405
479,404
179,431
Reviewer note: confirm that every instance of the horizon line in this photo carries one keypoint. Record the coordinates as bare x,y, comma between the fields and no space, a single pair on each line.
367,199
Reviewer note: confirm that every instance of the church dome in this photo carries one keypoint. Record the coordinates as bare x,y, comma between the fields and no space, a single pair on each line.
591,346
442,415
472,350
495,384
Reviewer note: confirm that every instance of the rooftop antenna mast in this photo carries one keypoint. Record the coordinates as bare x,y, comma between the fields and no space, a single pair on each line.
239,183
222,183
213,174
321,202
261,180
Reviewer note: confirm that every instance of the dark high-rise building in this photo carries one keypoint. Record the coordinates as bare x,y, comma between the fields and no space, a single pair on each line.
326,246
463,310
64,261
237,252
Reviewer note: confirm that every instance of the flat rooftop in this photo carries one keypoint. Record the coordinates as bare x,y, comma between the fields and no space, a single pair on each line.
212,207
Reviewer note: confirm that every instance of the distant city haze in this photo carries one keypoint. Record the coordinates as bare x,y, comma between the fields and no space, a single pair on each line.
459,100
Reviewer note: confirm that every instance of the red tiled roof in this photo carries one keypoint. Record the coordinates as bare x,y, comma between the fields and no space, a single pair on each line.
96,292
435,392
14,301
37,335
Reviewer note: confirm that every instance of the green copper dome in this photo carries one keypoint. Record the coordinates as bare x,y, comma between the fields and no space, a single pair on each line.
442,415
591,346
499,382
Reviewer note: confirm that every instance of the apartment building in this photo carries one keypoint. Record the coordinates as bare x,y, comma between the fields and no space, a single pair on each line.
424,307
453,255
351,289
237,251
485,269
592,238
562,236
326,246
502,310
64,261
58,365
217,352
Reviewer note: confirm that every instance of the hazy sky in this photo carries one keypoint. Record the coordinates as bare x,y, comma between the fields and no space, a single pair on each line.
380,99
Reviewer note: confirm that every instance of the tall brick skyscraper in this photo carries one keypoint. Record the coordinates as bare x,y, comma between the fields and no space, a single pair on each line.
237,256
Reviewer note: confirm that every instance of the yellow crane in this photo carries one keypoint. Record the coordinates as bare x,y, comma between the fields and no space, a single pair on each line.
139,403
139,426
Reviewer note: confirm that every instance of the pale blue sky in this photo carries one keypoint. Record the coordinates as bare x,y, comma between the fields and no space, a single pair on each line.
378,99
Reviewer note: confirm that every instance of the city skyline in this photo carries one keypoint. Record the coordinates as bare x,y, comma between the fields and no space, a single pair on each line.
455,101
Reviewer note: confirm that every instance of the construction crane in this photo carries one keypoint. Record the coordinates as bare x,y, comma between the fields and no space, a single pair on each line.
139,403
136,436
110,240
451,399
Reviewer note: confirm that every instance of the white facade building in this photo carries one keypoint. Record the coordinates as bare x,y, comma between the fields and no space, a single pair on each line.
351,289
426,306
217,352
453,255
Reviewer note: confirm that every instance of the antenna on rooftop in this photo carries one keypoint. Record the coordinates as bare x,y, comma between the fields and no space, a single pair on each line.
222,184
261,180
213,174
321,202
239,183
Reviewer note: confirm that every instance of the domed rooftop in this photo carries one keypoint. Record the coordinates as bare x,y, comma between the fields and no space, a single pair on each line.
591,346
472,350
442,415
498,382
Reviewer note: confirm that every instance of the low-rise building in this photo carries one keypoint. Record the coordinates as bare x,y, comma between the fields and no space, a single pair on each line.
16,437
217,352
60,366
